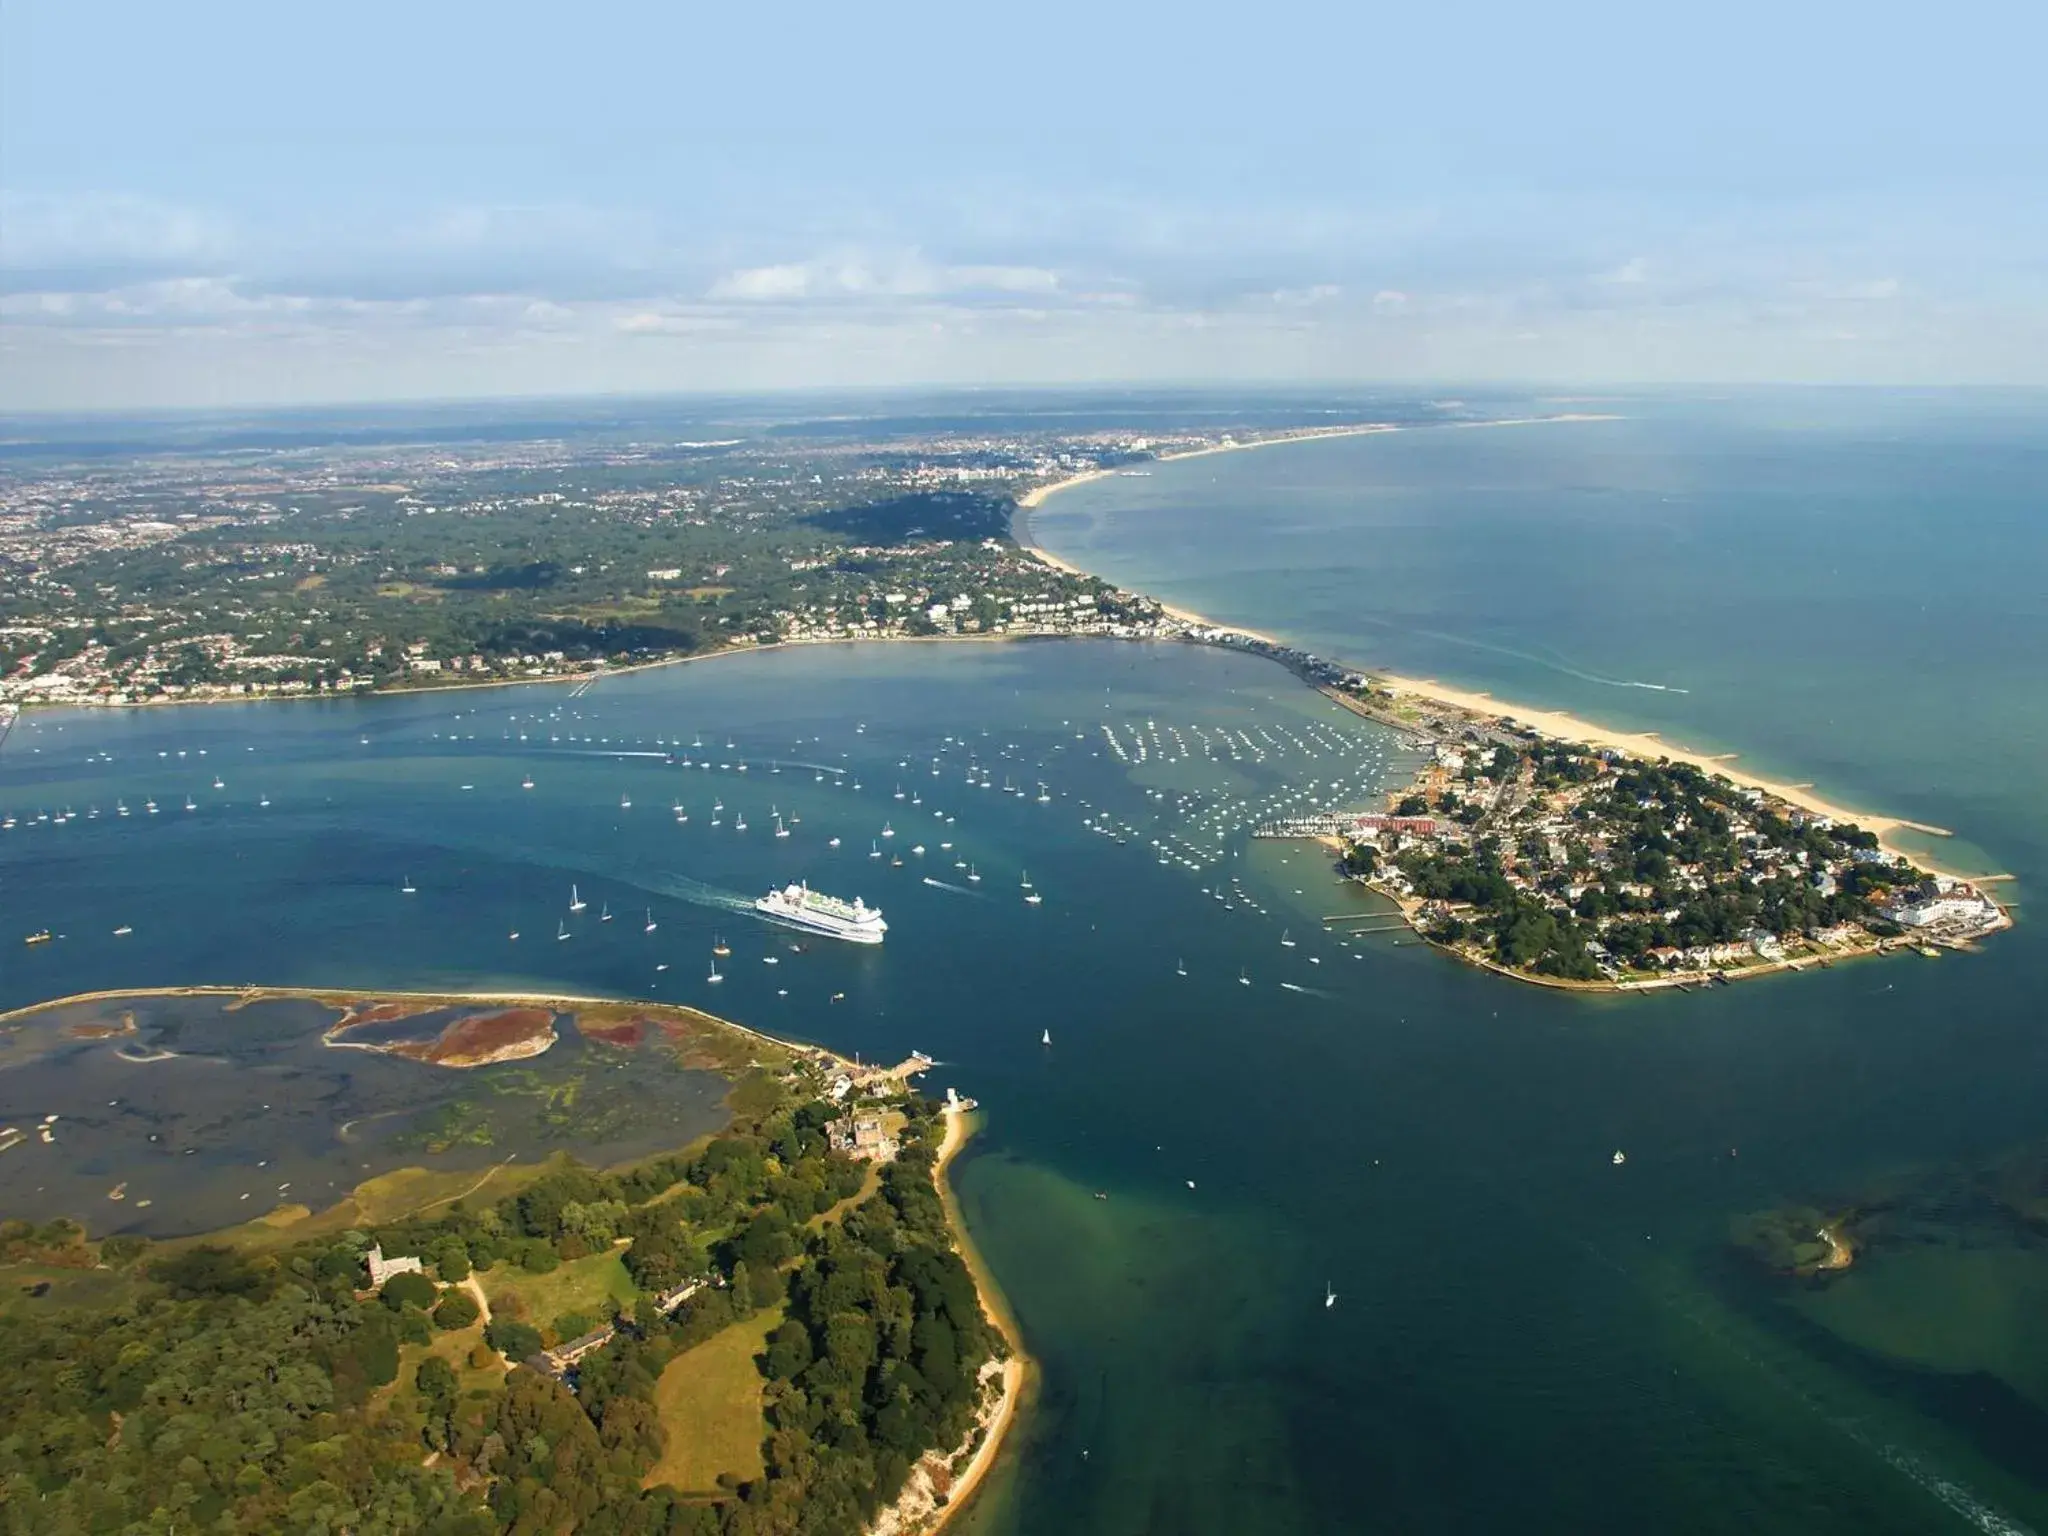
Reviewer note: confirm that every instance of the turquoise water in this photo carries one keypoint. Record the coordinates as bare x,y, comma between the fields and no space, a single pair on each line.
1526,1337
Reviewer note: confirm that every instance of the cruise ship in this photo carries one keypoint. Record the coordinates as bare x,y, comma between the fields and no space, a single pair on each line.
805,908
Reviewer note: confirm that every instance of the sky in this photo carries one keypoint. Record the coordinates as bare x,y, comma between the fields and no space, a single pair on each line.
227,203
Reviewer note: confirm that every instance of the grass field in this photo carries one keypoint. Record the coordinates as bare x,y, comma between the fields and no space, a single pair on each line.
590,1286
709,1399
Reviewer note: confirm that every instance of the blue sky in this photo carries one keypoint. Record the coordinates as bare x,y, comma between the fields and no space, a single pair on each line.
229,203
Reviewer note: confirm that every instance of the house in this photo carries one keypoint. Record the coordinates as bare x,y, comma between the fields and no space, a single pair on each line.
382,1269
861,1136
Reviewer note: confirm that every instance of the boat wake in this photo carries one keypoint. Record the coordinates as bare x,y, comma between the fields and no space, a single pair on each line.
1295,986
958,890
1549,663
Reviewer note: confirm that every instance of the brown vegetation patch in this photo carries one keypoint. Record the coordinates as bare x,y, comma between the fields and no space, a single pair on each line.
97,1031
505,1035
627,1033
380,1013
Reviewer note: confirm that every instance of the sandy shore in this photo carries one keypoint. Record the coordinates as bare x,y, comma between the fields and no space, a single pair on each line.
1546,722
960,1127
1645,744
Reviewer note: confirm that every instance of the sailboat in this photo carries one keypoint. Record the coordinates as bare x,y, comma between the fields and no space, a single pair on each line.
1027,879
720,947
887,830
408,888
650,921
739,822
832,842
1329,1295
527,782
576,902
189,805
1242,979
1032,898
1285,941
561,931
625,802
265,801
973,875
874,850
1180,967
605,915
714,976
780,829
513,935
1045,1038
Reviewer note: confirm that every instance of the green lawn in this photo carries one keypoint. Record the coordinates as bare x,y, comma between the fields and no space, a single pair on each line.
710,1403
590,1286
68,1287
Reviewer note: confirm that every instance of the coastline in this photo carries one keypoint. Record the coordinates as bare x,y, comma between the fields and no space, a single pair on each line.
1557,725
1016,1368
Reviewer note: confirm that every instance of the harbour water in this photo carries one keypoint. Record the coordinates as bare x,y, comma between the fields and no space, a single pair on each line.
1526,1336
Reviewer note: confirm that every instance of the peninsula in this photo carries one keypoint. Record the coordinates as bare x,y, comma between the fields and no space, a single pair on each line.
660,1344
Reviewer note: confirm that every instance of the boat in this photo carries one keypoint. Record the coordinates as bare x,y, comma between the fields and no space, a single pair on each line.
887,830
832,842
714,976
1045,1038
1620,1157
527,782
190,805
1180,967
40,936
513,936
1027,878
650,921
625,802
1242,979
1329,1295
123,931
408,888
217,783
1032,898
739,822
874,850
973,875
720,947
780,829
149,806
802,907
605,915
265,802
918,851
1285,941
561,931
576,902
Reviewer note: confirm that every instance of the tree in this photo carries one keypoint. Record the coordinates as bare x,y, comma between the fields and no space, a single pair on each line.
409,1290
455,1309
513,1340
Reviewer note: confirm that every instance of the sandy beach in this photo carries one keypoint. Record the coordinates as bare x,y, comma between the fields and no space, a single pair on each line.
1546,722
1017,1368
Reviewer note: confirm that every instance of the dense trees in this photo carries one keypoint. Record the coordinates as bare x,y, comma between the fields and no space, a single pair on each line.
242,1391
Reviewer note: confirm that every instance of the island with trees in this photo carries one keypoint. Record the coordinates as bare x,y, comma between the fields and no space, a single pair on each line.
771,1330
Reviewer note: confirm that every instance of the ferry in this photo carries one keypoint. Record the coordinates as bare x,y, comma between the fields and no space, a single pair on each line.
803,907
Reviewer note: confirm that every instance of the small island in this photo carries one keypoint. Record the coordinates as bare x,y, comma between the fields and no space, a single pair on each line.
776,1327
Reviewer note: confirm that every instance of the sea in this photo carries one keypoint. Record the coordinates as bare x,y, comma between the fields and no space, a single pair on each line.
1307,1228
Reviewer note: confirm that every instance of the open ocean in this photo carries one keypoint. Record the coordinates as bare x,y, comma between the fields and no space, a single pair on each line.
1526,1336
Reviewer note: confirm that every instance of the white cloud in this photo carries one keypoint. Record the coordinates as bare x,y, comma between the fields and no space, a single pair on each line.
1390,301
899,277
1631,272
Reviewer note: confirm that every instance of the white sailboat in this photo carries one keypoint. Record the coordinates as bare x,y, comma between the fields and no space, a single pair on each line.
973,875
605,915
1329,1296
576,902
1285,941
561,931
714,976
650,921
1242,979
408,888
1180,967
780,829
1045,1038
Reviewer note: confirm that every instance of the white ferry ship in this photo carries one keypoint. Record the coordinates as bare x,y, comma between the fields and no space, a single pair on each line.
798,904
